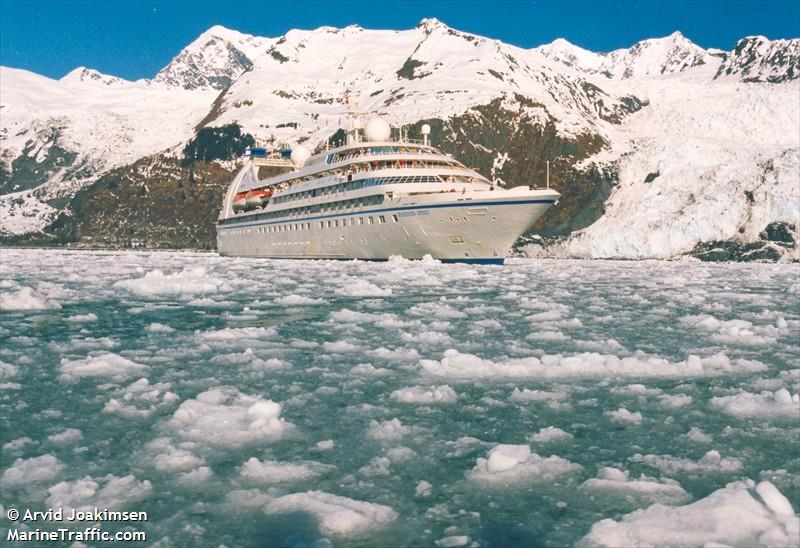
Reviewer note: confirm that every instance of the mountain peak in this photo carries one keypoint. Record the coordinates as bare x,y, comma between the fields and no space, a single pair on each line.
758,59
214,59
84,74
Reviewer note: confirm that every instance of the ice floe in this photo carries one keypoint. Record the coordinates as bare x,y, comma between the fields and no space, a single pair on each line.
189,281
141,399
336,515
740,514
425,395
26,299
623,416
517,464
550,434
390,430
468,366
270,471
645,489
778,404
111,492
33,470
105,365
711,462
225,417
68,436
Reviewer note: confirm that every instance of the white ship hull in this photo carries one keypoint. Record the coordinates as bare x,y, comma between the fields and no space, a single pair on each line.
372,200
468,227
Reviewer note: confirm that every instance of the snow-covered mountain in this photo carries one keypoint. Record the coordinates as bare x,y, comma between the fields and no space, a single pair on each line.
654,57
214,60
655,148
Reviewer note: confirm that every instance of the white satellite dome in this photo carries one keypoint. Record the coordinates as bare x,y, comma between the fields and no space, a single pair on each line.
426,129
377,129
300,155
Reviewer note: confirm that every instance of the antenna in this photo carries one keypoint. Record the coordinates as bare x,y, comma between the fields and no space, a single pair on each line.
548,174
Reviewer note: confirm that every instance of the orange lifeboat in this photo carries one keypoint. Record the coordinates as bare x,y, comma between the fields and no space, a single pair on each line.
257,197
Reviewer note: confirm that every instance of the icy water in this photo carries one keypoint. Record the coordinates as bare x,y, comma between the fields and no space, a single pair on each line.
250,402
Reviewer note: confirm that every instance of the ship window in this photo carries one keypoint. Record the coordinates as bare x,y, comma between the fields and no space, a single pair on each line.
371,220
381,219
394,218
361,220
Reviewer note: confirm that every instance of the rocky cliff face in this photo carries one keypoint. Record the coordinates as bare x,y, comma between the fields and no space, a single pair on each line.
656,148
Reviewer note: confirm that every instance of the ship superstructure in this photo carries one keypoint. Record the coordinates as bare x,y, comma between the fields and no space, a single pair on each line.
373,198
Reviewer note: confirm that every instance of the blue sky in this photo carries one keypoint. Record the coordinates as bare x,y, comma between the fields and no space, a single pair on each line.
134,39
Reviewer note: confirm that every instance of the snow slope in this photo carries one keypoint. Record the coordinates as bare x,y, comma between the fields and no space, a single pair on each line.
105,121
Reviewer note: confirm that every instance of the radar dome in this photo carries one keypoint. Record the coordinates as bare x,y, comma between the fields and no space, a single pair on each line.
377,129
426,129
299,155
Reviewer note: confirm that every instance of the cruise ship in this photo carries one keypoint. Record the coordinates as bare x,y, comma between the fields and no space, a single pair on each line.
372,198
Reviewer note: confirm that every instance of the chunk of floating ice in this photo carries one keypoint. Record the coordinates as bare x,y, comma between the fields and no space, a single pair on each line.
370,370
226,417
516,464
237,334
270,471
83,494
779,403
453,541
67,436
468,366
82,318
339,347
550,434
159,328
340,516
387,430
106,365
624,416
141,399
26,299
189,281
359,287
298,300
34,470
645,489
423,489
736,515
425,395
711,462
